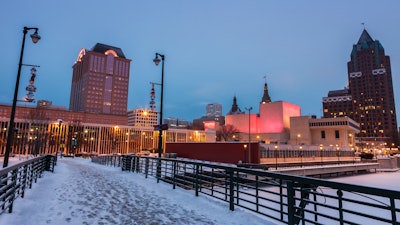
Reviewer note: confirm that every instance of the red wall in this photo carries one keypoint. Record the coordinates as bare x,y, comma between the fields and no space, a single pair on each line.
216,152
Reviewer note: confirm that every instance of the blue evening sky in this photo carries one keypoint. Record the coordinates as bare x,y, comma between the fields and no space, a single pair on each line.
214,49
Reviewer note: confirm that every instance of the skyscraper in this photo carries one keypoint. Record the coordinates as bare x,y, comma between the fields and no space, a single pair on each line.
100,81
369,98
214,110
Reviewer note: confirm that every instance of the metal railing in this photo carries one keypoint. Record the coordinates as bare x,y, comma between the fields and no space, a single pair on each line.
285,198
16,178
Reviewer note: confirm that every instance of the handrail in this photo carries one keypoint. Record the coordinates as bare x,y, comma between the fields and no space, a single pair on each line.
16,178
282,197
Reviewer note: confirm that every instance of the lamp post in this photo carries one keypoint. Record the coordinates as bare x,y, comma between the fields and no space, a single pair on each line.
321,151
35,38
157,61
301,156
249,109
276,157
338,153
297,139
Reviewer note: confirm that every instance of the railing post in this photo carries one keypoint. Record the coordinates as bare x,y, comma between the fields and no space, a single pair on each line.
393,210
257,187
231,190
158,172
197,180
23,181
340,195
174,171
137,164
14,174
291,202
146,169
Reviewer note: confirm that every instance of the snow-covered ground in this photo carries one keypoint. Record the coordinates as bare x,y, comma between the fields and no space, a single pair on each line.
81,192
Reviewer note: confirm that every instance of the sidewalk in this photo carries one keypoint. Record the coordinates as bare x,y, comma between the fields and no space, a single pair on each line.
81,192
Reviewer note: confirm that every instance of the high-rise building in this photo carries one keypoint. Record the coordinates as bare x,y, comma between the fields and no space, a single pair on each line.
369,98
214,110
100,81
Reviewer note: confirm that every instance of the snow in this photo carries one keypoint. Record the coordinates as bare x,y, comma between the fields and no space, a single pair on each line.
82,192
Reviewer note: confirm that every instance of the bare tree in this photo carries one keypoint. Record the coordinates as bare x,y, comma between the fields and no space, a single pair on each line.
226,132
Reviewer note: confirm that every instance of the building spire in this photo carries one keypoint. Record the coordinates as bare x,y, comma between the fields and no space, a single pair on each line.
265,98
235,108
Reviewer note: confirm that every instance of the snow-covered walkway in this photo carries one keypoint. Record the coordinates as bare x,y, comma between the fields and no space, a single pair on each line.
81,192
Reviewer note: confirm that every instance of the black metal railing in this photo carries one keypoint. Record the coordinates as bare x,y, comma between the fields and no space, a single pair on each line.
16,178
286,198
108,160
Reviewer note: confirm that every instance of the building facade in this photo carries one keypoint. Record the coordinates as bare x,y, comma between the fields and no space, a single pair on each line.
338,131
47,131
212,120
176,123
214,110
141,117
100,81
369,98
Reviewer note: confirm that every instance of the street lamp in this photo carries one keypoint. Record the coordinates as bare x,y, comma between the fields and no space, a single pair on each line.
35,38
276,157
297,139
157,61
249,109
321,149
338,153
301,156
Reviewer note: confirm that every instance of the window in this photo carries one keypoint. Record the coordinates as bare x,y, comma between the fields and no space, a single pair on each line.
336,134
322,134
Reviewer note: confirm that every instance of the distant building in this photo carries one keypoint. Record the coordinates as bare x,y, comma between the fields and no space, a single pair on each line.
214,110
213,118
100,81
141,117
369,98
176,123
45,104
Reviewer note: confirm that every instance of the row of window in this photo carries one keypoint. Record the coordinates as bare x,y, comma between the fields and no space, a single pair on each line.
333,123
323,134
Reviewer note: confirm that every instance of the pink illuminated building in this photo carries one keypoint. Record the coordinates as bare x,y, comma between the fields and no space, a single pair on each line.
271,124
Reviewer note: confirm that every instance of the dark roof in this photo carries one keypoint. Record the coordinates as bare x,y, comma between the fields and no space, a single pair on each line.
364,38
335,93
102,48
235,108
366,42
266,98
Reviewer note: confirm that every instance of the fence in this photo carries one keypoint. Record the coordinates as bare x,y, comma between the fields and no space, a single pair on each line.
16,178
285,198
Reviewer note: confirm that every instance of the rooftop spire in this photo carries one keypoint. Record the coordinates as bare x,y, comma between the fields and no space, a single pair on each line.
235,108
365,38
